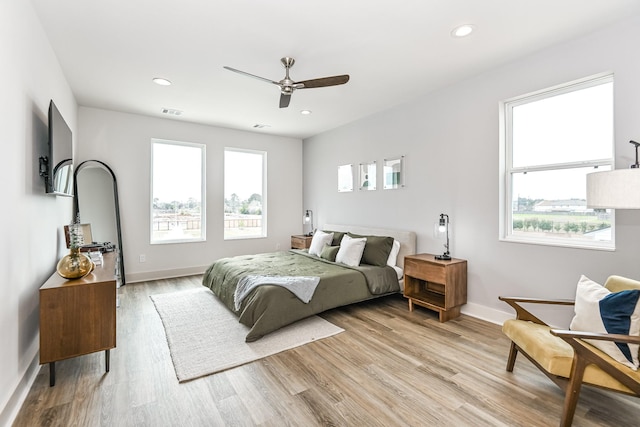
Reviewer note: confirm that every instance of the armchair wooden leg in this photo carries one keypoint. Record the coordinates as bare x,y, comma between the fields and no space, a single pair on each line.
573,391
513,352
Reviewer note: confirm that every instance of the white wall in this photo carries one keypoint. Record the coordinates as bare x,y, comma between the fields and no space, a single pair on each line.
450,140
123,141
31,238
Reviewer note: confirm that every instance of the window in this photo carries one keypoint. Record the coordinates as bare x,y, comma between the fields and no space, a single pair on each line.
551,140
177,192
245,201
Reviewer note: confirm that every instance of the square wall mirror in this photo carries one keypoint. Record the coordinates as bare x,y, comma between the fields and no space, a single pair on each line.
345,178
393,175
367,175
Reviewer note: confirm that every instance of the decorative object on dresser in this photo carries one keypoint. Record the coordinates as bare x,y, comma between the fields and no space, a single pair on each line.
439,285
75,264
300,241
307,220
443,228
78,317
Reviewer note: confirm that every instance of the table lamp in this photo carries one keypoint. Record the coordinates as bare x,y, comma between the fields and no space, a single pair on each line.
442,227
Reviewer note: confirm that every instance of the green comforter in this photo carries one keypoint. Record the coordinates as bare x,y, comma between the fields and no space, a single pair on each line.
270,307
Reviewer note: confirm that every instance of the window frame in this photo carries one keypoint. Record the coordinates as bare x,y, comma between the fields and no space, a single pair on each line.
203,191
264,210
507,170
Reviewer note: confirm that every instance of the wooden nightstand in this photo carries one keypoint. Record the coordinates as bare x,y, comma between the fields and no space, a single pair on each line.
436,284
299,241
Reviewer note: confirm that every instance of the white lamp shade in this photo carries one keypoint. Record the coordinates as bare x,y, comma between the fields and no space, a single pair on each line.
616,189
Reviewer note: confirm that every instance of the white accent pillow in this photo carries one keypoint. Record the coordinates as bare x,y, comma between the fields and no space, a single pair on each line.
393,255
599,310
351,250
318,242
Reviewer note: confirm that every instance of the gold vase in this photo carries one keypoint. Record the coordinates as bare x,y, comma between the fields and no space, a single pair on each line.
75,265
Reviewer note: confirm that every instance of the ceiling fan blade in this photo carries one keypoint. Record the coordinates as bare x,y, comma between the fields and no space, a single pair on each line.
324,81
284,100
250,75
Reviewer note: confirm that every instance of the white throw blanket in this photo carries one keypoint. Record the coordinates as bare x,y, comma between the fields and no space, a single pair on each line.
301,286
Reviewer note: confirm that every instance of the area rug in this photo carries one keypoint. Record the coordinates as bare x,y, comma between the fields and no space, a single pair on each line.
205,337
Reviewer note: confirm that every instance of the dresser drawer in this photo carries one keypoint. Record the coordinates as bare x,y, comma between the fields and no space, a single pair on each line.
424,270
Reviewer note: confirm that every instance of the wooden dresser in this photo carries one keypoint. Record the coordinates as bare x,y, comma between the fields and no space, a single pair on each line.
78,316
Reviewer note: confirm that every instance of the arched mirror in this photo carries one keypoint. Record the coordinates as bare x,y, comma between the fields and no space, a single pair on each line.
96,201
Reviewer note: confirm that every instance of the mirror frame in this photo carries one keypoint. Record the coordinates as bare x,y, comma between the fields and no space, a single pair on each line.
76,208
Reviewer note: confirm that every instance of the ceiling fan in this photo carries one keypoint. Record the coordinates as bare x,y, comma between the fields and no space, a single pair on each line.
287,86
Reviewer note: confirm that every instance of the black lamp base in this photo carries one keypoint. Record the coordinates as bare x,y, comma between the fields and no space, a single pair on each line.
444,257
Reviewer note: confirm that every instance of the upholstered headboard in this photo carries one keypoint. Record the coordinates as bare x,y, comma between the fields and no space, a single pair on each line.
407,239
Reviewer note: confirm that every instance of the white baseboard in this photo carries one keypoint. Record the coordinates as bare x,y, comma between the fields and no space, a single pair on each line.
165,274
485,313
10,411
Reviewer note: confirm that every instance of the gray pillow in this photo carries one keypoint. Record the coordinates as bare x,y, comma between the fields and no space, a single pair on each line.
337,237
329,253
377,249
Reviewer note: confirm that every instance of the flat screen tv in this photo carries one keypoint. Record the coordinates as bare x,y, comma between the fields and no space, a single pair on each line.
57,167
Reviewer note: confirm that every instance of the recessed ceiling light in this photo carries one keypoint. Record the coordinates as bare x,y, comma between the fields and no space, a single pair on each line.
162,82
305,112
463,30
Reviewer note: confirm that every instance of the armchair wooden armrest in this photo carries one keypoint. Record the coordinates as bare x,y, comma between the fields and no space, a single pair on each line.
524,314
584,355
568,335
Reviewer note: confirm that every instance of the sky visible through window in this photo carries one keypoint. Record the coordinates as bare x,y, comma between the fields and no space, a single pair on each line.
242,173
555,138
571,127
177,172
177,206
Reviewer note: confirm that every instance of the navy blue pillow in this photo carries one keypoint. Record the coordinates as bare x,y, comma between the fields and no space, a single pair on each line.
616,310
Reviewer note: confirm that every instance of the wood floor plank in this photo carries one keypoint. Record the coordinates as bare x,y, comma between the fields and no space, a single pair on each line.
390,367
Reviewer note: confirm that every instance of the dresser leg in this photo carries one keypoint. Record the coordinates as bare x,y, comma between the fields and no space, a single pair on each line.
106,359
52,374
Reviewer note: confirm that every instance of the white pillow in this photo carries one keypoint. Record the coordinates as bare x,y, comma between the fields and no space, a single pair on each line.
351,250
393,255
599,310
318,242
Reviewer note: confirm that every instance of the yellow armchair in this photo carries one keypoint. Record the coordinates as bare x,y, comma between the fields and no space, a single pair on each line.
564,356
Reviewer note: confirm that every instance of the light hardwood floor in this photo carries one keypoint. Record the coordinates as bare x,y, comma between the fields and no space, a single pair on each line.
389,368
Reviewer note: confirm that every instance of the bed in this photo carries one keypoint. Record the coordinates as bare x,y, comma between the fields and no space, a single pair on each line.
269,307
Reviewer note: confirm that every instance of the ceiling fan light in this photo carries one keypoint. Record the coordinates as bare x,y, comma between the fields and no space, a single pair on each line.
462,30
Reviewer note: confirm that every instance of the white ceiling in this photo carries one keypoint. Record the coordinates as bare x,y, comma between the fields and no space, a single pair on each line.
393,50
